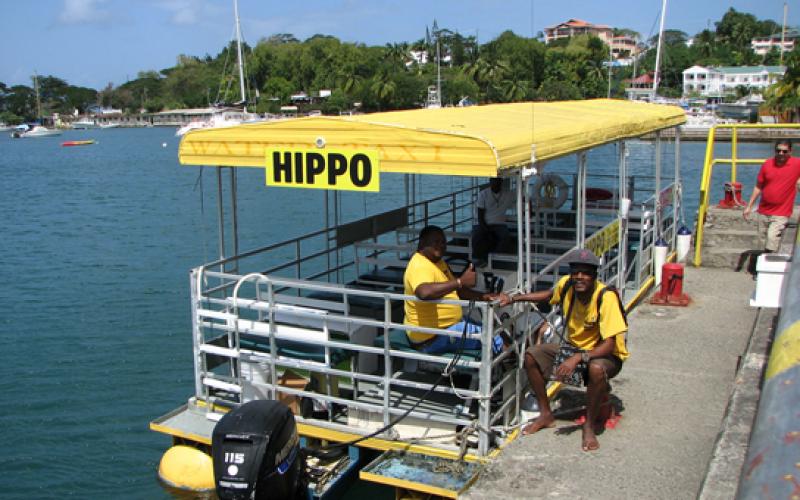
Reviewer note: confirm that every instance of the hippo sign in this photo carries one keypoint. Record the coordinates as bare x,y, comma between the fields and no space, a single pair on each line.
347,170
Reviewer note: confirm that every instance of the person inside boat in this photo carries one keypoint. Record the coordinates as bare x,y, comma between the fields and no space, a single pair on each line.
777,185
594,326
428,277
491,233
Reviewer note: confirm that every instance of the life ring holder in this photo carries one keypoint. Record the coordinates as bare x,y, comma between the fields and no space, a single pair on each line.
550,191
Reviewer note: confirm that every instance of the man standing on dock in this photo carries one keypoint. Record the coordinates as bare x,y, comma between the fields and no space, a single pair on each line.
777,184
595,325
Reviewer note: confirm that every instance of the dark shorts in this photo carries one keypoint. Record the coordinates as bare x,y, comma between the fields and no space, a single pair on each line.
545,354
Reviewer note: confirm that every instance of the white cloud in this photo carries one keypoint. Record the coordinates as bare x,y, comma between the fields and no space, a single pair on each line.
83,12
185,12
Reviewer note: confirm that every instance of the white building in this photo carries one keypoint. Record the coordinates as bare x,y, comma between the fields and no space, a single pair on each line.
763,44
720,81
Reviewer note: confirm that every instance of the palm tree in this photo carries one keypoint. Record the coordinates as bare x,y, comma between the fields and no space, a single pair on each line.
383,87
515,90
784,96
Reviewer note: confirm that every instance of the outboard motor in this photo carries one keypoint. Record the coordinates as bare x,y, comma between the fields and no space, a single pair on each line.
255,448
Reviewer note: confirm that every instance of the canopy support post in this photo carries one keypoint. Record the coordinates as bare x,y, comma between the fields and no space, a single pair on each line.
622,214
657,202
580,215
234,217
220,219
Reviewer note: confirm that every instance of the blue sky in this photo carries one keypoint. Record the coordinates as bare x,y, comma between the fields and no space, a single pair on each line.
95,42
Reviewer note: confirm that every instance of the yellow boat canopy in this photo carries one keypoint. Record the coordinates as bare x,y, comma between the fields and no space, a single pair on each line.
477,141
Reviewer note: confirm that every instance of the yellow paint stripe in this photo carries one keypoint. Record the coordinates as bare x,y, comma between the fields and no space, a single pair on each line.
197,438
785,351
408,485
309,430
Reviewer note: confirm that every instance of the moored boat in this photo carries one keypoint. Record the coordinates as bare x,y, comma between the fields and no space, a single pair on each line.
84,124
78,143
322,329
37,131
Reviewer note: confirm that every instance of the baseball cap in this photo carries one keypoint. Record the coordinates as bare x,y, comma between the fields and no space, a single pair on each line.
582,256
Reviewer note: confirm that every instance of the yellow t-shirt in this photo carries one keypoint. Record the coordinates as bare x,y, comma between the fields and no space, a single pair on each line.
420,313
584,330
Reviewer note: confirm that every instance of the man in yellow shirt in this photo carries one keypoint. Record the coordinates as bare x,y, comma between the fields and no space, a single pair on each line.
595,326
428,277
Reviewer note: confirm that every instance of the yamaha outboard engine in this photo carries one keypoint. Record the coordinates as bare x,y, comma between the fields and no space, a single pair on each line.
255,449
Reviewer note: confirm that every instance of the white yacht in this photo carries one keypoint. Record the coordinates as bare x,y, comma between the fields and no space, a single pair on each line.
39,131
84,123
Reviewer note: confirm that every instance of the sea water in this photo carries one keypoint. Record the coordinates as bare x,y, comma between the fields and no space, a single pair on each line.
97,242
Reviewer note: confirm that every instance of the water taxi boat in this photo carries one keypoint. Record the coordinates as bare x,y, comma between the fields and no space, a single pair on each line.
316,321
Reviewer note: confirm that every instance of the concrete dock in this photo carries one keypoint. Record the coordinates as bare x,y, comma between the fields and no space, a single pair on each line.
684,429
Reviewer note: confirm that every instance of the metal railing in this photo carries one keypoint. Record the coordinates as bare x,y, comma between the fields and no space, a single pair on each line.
711,161
244,342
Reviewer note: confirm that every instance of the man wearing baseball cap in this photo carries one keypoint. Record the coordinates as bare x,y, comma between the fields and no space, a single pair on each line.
595,326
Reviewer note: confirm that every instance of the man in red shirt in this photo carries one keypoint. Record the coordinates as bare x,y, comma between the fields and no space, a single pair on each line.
777,184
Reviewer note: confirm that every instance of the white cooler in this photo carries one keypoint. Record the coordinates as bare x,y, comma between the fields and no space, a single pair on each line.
771,268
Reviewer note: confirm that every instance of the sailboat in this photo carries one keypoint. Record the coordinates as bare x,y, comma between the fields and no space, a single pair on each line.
227,117
37,130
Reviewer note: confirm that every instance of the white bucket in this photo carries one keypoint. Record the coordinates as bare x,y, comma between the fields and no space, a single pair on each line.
683,242
659,257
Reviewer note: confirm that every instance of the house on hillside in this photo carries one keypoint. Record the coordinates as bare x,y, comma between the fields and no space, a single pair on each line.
763,44
623,47
575,27
640,88
717,82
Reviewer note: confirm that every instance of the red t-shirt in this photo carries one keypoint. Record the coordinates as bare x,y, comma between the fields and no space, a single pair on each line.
778,187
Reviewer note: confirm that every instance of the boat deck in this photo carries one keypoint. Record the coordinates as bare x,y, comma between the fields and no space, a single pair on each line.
672,392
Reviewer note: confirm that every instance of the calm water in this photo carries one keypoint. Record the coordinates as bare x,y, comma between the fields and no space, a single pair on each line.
96,246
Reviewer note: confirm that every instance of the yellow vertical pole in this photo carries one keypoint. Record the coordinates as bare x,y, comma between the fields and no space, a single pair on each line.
705,180
734,149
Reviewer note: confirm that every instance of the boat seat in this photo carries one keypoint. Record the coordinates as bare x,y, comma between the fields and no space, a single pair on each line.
398,340
294,349
363,306
389,275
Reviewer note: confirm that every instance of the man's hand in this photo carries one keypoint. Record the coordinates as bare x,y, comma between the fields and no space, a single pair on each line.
468,277
747,210
504,299
566,368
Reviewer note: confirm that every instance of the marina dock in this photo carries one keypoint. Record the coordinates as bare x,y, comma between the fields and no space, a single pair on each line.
725,134
687,395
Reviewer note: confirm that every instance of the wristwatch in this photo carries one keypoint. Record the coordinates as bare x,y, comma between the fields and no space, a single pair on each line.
585,356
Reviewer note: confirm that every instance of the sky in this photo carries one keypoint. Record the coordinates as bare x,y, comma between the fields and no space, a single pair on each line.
92,43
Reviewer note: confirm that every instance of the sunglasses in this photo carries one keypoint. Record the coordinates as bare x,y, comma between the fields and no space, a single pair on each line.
782,151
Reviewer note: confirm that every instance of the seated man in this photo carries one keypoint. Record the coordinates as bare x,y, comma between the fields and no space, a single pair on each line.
429,277
594,325
491,232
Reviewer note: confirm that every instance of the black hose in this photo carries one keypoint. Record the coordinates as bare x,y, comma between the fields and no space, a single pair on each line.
324,452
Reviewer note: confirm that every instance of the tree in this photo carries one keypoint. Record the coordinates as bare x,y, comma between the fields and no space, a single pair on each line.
738,28
784,96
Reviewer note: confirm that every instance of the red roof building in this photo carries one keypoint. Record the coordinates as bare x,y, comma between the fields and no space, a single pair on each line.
575,27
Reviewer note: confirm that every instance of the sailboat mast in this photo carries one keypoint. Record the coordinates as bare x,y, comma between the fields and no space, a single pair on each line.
783,29
38,97
658,49
239,59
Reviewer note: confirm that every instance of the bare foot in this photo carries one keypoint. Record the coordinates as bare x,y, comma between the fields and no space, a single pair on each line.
590,442
544,421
